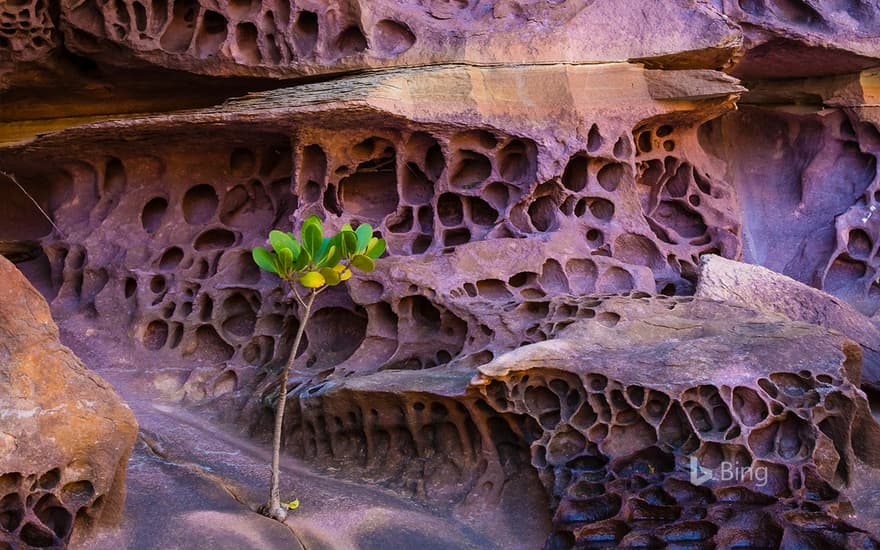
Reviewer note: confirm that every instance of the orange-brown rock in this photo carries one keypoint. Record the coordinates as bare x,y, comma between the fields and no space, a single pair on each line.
65,435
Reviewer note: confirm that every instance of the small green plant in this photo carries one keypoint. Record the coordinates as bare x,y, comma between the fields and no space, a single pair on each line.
315,263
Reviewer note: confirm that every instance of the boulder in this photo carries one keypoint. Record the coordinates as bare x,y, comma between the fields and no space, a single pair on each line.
759,288
655,421
65,435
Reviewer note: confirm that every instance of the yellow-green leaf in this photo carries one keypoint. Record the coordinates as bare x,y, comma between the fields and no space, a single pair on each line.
375,248
330,276
334,255
312,279
362,262
343,271
293,504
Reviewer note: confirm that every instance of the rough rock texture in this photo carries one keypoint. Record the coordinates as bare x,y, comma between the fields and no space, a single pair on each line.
609,412
292,39
65,435
793,38
615,407
471,216
759,288
810,190
523,159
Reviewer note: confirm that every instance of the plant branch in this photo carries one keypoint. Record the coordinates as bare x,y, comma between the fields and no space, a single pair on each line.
12,178
296,293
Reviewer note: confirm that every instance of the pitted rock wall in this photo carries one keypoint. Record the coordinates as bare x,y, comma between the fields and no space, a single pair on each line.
524,160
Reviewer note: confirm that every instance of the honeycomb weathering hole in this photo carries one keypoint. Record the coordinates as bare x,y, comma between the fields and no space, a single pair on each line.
210,347
54,516
575,175
179,33
371,192
351,41
392,37
153,214
171,258
307,31
214,239
11,512
470,169
156,335
200,204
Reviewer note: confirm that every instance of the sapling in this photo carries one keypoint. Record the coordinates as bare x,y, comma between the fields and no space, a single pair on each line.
315,263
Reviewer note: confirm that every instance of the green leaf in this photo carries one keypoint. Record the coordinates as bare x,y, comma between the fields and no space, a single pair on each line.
312,238
301,262
330,276
313,220
363,263
312,279
264,259
348,243
334,256
375,248
285,258
328,257
281,240
364,231
322,252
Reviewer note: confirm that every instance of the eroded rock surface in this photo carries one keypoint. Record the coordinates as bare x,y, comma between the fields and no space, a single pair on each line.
65,435
293,39
524,160
474,218
618,408
611,410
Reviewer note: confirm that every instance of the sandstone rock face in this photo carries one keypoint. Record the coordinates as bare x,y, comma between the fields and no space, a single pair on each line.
799,38
472,217
65,435
293,39
811,207
524,161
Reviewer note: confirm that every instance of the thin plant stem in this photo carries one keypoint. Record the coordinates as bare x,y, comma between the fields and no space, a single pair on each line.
296,293
273,508
28,195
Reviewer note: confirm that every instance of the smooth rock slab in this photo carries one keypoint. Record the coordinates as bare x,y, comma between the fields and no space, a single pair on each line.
759,288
